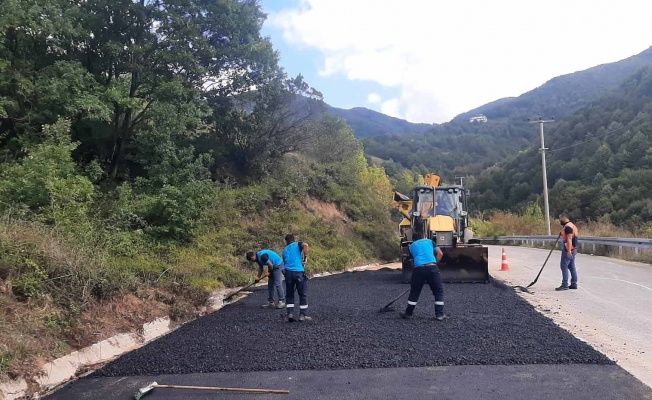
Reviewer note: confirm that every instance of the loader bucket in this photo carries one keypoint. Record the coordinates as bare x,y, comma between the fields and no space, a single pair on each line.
464,264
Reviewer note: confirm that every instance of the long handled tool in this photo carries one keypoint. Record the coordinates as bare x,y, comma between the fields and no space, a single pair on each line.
525,289
386,308
242,289
142,392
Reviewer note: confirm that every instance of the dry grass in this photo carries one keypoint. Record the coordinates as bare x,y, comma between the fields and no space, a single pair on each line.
27,335
35,332
76,297
507,224
607,229
104,320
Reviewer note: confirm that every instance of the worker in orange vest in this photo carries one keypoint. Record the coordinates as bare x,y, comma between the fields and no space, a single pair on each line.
568,252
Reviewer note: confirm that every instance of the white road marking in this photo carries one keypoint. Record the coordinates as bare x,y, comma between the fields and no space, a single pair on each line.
622,280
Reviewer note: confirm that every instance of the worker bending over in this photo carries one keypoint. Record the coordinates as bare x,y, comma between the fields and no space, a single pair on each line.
425,255
295,257
275,272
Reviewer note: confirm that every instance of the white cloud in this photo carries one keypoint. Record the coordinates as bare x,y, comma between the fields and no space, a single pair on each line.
391,108
447,57
374,98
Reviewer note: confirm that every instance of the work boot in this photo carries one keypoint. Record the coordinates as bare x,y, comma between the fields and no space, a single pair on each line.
304,317
560,288
573,286
290,318
280,304
269,305
404,315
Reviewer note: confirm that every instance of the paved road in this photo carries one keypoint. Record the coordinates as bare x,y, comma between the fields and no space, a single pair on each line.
611,310
499,382
584,310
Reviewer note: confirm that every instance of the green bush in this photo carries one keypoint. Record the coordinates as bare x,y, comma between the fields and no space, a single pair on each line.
29,284
47,180
5,362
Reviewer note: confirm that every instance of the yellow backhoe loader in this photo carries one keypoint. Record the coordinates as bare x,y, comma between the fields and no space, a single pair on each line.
441,212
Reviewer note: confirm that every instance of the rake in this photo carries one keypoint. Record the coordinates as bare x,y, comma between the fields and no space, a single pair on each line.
387,306
142,392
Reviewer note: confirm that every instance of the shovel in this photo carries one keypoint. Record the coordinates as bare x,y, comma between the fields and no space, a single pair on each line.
525,289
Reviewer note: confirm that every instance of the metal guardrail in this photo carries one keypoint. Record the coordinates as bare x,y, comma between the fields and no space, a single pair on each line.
585,242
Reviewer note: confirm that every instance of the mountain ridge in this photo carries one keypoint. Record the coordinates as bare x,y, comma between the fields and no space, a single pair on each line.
462,148
573,90
369,123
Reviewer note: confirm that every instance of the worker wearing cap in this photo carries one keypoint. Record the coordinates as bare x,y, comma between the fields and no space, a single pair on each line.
275,272
568,252
295,257
425,255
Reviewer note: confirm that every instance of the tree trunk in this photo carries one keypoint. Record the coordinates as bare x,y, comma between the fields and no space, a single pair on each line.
124,131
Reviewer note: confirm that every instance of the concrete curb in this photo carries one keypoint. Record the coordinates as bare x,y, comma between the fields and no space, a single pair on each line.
65,369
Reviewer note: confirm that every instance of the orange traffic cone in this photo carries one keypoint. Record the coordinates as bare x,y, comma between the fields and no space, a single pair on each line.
504,266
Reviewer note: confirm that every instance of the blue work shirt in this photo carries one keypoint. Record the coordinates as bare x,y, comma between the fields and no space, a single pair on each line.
292,257
263,256
423,252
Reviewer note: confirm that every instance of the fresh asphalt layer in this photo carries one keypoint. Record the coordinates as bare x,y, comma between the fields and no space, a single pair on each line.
494,344
489,324
463,382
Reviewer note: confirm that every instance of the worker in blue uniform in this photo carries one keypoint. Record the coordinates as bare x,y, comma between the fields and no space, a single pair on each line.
275,271
426,256
295,257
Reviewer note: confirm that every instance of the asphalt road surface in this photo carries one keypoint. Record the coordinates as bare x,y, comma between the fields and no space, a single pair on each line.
494,345
611,310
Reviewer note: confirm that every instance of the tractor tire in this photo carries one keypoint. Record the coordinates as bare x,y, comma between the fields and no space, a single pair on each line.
406,271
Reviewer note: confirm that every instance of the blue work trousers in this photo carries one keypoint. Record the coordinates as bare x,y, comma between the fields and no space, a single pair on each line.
426,274
275,284
568,265
295,280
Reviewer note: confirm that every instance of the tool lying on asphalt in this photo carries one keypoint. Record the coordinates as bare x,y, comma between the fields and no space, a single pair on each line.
243,289
525,289
387,308
142,392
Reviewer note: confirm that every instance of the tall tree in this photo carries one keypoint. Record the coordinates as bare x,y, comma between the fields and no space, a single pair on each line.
264,124
148,51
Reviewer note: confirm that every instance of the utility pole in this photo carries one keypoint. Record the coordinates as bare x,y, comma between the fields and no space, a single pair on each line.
543,149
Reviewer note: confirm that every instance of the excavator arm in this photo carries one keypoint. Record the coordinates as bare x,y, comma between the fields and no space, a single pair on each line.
403,204
431,180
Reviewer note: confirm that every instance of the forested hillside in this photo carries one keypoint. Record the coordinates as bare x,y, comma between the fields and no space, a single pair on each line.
453,148
369,123
462,148
599,163
145,146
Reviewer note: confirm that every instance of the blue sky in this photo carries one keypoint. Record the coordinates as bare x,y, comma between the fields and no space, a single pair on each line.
338,91
429,60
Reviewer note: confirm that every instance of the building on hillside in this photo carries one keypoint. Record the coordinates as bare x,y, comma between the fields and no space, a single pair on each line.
478,118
